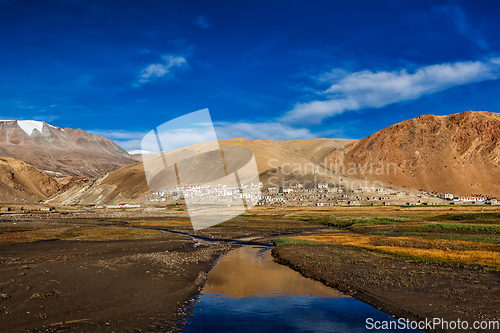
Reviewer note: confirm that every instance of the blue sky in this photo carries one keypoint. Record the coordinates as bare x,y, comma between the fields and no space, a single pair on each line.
276,70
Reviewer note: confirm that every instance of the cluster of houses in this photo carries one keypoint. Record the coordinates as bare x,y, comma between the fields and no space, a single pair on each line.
322,195
206,194
469,199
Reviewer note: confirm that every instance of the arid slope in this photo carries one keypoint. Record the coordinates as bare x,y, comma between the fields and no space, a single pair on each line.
21,182
129,184
459,153
61,152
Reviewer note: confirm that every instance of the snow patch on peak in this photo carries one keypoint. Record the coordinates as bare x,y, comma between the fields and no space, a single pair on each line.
59,128
30,125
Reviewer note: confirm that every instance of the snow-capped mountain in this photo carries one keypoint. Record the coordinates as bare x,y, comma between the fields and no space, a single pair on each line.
60,152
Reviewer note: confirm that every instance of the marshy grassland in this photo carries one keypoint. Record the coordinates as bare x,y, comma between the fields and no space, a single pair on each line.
454,237
418,262
414,263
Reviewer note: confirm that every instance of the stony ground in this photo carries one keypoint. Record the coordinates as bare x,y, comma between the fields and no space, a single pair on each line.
121,286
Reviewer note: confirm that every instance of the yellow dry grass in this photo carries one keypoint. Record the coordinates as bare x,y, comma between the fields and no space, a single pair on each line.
477,255
414,212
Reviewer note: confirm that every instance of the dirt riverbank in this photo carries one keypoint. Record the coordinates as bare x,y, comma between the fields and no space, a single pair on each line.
122,286
405,289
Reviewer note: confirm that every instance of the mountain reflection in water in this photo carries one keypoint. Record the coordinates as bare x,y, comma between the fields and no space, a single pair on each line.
247,272
248,292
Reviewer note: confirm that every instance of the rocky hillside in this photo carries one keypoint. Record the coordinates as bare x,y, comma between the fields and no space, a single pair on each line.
278,162
20,182
459,154
60,152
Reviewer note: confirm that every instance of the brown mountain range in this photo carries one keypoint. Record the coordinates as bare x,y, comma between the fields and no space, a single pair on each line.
129,184
60,152
458,154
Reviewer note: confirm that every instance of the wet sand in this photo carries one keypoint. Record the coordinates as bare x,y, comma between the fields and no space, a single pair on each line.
121,286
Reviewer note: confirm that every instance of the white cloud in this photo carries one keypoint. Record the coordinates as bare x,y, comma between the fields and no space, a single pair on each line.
459,19
154,71
178,138
201,21
172,139
125,139
118,135
261,131
183,137
367,89
347,91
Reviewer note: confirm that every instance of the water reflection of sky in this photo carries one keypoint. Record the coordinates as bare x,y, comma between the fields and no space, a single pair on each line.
248,292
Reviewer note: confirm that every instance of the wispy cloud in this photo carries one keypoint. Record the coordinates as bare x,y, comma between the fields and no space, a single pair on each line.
201,21
158,70
125,139
183,137
46,118
172,139
178,138
346,92
262,131
459,19
367,89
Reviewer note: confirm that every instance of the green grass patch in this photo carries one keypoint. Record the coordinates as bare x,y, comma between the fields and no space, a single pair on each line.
342,222
376,220
468,216
289,241
494,229
326,220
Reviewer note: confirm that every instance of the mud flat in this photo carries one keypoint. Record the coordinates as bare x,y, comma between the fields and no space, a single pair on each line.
101,286
403,288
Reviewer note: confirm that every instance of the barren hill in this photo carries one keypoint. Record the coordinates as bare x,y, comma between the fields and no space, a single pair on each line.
60,152
457,154
20,182
277,161
125,185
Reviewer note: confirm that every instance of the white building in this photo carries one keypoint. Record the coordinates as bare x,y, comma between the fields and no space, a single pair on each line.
472,199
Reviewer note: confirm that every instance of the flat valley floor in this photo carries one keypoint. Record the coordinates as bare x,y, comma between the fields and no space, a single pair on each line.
126,271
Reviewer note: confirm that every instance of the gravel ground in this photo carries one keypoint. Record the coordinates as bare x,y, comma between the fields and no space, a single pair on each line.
121,286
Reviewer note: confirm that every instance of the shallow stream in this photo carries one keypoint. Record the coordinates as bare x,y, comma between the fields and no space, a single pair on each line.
247,291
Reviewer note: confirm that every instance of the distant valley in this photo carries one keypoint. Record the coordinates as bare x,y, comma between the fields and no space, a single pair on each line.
458,153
